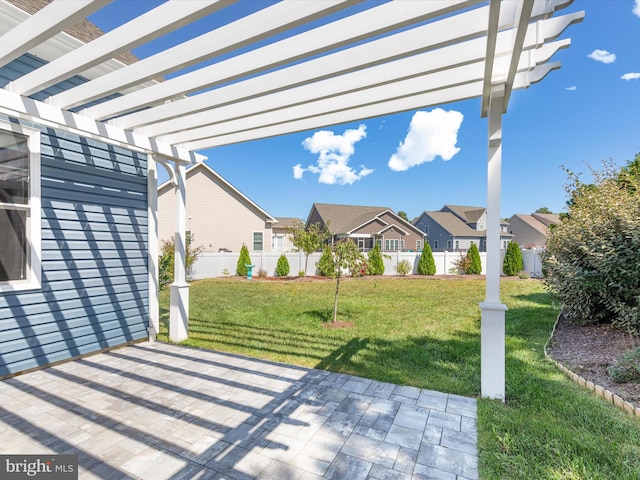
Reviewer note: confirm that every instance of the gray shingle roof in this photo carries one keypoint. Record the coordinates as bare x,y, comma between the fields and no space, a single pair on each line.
344,218
454,225
466,213
286,222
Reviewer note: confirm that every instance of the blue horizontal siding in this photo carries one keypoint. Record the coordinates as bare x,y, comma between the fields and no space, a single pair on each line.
70,291
94,291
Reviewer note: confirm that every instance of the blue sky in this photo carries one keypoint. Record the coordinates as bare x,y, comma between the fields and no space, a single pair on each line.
586,111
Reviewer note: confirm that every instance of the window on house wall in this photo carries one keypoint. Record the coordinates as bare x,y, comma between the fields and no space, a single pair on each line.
257,241
278,243
402,246
457,244
426,229
19,208
435,244
449,245
418,245
391,244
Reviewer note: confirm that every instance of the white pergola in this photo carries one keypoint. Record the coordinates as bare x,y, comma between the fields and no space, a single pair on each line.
291,66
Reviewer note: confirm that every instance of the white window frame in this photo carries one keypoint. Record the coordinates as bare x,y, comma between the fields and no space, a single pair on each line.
391,244
34,214
418,245
253,241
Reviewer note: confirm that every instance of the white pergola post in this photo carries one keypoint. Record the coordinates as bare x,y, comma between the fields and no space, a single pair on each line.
152,238
492,342
179,307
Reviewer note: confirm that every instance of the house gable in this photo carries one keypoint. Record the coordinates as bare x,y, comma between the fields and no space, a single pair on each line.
219,216
532,229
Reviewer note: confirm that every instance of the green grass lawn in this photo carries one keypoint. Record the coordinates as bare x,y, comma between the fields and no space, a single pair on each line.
425,332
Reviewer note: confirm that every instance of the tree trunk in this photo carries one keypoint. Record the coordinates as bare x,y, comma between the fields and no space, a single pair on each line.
335,302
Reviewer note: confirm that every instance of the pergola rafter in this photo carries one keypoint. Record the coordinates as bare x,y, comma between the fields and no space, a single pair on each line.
289,66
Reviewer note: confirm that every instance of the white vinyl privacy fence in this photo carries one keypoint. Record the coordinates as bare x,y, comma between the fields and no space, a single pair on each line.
210,265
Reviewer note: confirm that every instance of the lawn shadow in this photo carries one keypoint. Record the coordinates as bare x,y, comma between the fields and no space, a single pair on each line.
325,315
451,364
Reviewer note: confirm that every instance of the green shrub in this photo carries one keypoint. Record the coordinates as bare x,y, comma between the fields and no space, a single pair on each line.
426,264
282,268
512,263
403,268
375,262
475,265
627,367
243,261
325,264
592,259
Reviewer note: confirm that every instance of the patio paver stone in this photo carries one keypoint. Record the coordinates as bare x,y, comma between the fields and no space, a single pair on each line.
156,411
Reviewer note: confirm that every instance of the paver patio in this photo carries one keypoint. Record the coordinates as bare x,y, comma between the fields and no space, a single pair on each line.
159,411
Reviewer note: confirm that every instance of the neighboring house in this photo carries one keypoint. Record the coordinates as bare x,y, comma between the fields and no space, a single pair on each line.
280,239
532,230
454,228
367,226
219,216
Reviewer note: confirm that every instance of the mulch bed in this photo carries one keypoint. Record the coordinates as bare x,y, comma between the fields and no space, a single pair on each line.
588,350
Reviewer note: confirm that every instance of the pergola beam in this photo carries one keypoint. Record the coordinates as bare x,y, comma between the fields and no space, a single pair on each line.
252,28
396,105
163,19
43,25
329,96
375,21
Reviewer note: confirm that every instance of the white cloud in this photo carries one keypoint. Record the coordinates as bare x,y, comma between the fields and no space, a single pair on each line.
602,56
572,88
334,152
298,171
631,75
636,8
430,134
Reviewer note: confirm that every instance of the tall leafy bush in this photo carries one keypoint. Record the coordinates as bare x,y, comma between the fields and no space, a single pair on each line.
475,265
592,260
512,263
325,264
282,268
243,261
426,264
375,263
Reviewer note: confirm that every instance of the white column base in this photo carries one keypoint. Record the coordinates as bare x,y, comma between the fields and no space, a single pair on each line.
492,350
179,312
152,334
